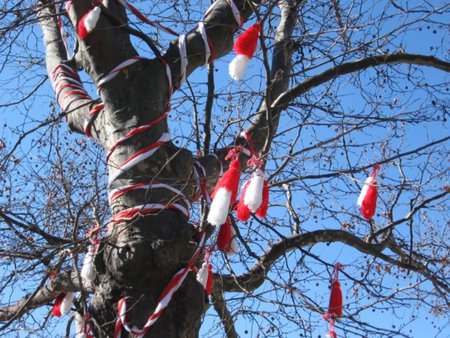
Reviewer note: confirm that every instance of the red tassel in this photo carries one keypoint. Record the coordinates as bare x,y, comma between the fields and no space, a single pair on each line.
209,282
243,212
224,194
335,306
254,197
88,22
368,197
226,241
262,211
244,47
224,237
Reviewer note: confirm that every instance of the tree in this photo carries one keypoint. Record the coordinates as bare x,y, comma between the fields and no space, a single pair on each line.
317,147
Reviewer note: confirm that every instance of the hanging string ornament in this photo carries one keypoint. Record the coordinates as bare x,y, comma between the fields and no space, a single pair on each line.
254,196
88,22
63,304
205,274
225,191
335,306
226,239
244,47
367,200
87,271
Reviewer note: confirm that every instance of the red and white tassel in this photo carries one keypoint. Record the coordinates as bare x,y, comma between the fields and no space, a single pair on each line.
224,194
63,304
335,305
205,277
88,22
87,271
244,47
367,200
226,240
254,198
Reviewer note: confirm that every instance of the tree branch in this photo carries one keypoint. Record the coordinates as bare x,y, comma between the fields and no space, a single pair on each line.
63,282
256,275
352,67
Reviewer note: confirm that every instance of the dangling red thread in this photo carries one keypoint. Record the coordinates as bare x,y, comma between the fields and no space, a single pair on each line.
368,197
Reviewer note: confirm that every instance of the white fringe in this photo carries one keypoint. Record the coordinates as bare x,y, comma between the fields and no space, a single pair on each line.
87,271
238,66
202,275
67,303
254,191
79,326
218,212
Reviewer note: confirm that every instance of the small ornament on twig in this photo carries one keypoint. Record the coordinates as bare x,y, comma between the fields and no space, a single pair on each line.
336,304
255,193
63,304
367,200
205,274
244,47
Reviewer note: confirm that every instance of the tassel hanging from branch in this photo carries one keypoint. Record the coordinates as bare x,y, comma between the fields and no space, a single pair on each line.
63,304
244,47
226,240
367,200
225,191
335,306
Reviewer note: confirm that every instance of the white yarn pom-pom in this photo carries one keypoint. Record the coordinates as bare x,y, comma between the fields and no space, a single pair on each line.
253,194
66,304
238,66
218,211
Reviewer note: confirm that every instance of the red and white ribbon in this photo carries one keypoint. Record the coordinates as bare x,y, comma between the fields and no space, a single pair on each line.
138,157
116,70
116,193
91,117
135,132
183,58
202,30
164,299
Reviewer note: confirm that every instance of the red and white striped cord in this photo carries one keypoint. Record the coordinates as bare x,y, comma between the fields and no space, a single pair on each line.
164,299
116,70
64,77
135,132
91,117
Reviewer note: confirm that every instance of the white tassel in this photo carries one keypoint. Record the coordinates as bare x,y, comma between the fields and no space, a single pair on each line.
238,66
218,211
253,193
66,304
90,22
79,326
369,181
87,271
202,275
